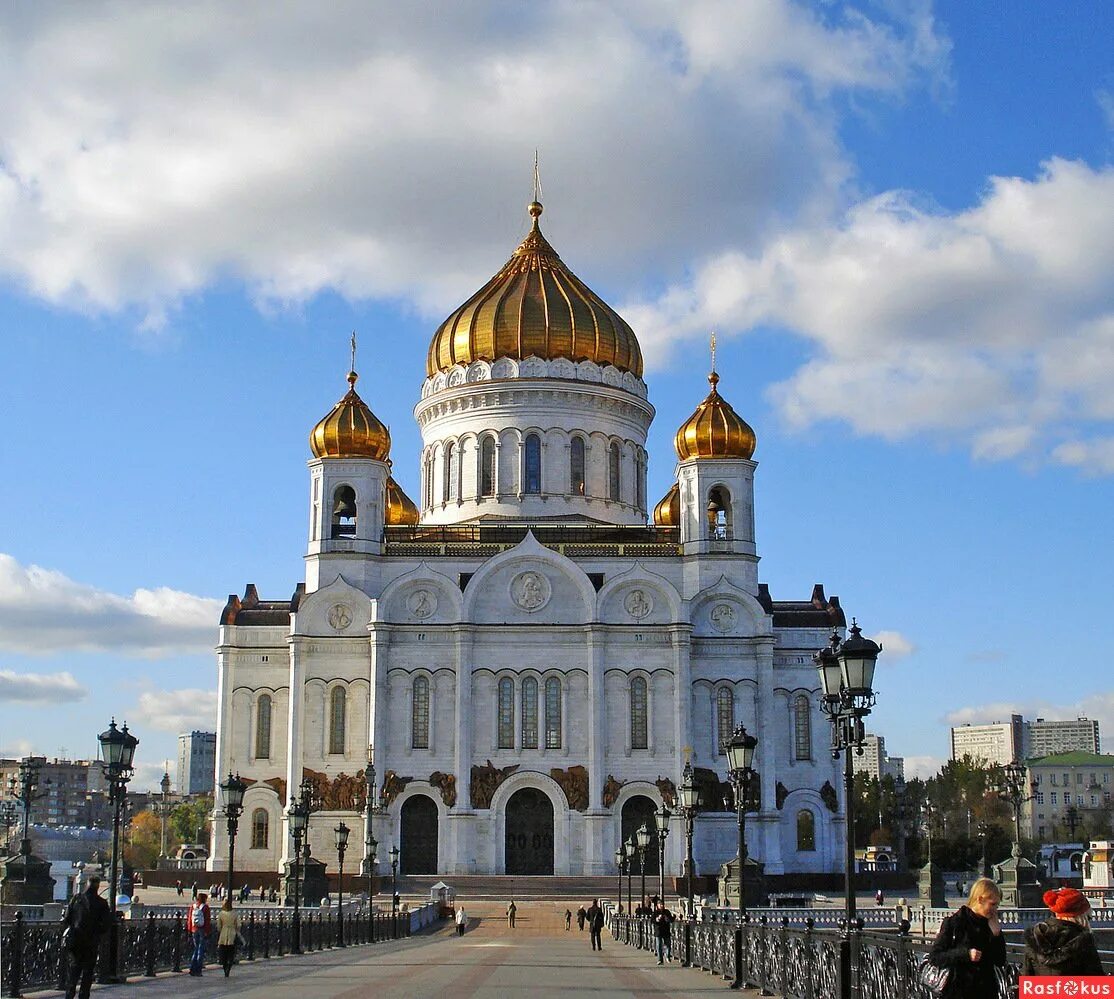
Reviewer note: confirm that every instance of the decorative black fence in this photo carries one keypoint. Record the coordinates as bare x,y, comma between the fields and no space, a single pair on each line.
33,956
802,963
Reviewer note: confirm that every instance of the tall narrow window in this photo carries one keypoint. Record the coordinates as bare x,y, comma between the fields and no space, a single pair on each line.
553,713
506,713
487,467
419,714
640,481
639,737
806,831
725,716
532,462
263,728
450,474
529,713
719,514
429,480
344,512
802,728
576,466
613,472
336,722
259,829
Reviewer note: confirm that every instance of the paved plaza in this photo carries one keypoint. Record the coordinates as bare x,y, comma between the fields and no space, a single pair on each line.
537,958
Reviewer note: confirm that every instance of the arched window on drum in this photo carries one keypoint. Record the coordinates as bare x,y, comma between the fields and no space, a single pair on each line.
259,826
576,466
806,831
487,467
505,734
614,480
725,717
639,734
419,714
802,728
532,464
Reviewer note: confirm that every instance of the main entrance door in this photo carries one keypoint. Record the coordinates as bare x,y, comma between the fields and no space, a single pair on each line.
639,811
418,850
529,835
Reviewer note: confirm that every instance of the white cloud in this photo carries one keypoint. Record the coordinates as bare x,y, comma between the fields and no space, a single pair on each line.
178,710
992,326
385,150
922,767
894,645
40,688
44,612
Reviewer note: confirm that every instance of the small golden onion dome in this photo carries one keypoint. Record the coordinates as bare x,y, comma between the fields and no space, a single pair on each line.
715,430
535,306
350,430
401,510
668,511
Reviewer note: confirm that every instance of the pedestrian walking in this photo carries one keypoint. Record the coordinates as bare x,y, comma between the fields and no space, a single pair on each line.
87,919
199,924
194,895
568,920
228,925
663,931
1063,944
511,910
461,921
594,916
581,915
879,898
970,944
262,893
178,886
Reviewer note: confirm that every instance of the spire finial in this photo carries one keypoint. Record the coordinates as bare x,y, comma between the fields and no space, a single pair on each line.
713,378
535,207
352,370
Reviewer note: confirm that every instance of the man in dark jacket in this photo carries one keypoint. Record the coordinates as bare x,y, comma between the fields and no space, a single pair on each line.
595,924
1064,944
581,915
663,931
87,919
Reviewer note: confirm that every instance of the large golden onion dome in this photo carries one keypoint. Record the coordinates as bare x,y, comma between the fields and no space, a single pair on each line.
715,430
668,511
350,430
401,510
535,306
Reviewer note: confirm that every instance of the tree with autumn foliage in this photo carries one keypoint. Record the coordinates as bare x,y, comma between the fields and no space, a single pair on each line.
141,848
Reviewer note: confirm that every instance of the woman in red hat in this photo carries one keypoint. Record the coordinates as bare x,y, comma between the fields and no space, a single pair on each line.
1063,944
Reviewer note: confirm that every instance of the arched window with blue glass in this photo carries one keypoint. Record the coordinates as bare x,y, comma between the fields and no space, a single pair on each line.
532,464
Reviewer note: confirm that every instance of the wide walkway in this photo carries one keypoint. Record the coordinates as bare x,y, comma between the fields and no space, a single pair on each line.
537,958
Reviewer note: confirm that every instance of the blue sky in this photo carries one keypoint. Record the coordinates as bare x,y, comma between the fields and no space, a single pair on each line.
898,217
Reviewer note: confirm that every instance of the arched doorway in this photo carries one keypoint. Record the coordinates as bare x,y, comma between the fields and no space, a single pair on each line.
529,833
637,811
418,846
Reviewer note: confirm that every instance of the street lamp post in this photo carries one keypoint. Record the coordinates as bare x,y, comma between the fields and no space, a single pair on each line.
1072,819
662,819
628,851
117,757
983,832
298,817
393,854
741,773
690,802
341,833
162,806
370,844
232,793
7,819
642,839
1013,787
620,860
846,670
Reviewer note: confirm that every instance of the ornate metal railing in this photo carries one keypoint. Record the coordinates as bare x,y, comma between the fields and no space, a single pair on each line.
572,539
32,956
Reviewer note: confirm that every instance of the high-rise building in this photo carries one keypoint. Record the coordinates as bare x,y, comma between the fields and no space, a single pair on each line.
197,762
532,650
876,762
1045,738
996,743
68,792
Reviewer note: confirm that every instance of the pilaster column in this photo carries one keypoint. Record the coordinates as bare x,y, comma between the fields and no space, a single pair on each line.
680,640
464,636
379,639
225,748
769,819
597,701
294,734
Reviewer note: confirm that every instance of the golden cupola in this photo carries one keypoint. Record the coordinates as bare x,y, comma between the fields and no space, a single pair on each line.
535,306
401,511
715,430
351,430
668,511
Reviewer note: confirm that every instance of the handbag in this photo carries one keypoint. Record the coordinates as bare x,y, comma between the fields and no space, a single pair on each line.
932,978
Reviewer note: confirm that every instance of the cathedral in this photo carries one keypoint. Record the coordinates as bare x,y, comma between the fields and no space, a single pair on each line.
532,653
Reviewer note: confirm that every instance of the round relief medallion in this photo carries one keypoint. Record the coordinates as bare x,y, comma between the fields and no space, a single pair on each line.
723,617
339,617
422,604
638,604
530,591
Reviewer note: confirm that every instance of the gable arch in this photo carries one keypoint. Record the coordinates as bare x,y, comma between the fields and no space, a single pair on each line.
746,617
400,601
667,602
337,610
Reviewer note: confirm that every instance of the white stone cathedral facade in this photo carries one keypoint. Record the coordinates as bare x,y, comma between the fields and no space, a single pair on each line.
533,653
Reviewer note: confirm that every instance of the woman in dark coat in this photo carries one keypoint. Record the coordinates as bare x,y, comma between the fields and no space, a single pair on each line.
970,944
1063,944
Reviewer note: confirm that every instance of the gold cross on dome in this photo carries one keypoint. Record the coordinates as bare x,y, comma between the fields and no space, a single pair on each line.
353,367
713,350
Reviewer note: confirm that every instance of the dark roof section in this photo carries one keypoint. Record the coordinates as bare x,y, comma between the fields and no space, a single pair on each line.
249,611
819,612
